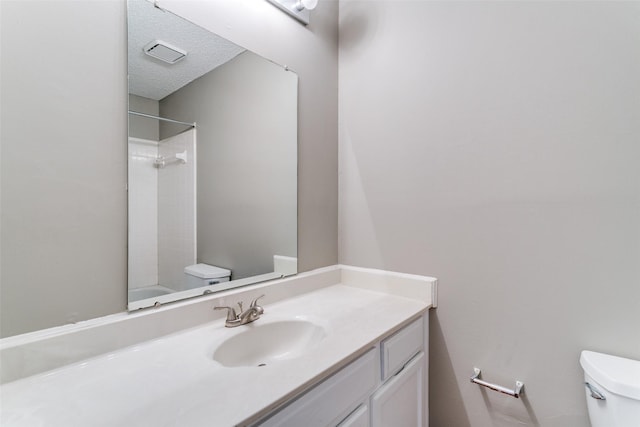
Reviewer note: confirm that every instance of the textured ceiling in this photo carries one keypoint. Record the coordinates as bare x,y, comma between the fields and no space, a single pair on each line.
154,79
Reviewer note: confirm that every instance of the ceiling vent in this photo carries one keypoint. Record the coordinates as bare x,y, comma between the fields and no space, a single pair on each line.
164,51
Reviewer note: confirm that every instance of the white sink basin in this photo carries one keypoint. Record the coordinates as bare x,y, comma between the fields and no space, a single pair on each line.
268,343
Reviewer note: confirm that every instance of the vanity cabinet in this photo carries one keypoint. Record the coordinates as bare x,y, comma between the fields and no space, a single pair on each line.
385,387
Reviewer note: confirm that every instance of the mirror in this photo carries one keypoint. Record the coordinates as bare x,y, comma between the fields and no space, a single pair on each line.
212,181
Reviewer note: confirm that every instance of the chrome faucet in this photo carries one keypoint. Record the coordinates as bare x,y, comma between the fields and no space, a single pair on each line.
252,314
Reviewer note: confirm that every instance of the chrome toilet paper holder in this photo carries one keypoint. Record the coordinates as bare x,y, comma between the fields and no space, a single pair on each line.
475,378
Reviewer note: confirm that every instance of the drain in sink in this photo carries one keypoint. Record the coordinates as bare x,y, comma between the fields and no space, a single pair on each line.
261,365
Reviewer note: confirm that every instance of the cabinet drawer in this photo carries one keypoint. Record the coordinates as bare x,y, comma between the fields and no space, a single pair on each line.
398,349
332,398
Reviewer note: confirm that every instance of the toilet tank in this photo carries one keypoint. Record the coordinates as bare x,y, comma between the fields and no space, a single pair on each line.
612,387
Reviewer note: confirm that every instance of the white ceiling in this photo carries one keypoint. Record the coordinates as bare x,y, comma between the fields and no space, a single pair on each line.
154,79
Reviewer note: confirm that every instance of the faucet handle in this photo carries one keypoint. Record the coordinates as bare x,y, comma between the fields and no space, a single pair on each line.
231,313
254,303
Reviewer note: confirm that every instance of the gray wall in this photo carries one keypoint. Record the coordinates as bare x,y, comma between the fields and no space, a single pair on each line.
64,130
64,162
312,52
495,145
246,113
143,127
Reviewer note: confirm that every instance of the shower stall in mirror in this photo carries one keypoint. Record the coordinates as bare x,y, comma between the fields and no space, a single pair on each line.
162,206
213,205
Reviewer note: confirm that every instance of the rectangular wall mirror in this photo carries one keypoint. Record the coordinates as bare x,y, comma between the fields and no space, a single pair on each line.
212,166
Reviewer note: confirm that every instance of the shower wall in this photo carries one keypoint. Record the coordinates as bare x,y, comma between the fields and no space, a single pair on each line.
161,212
143,194
176,211
143,213
161,209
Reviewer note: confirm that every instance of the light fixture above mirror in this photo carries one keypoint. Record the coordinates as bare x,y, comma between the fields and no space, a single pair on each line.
298,9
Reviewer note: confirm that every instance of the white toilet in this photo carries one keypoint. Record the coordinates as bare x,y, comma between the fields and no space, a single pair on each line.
612,387
199,275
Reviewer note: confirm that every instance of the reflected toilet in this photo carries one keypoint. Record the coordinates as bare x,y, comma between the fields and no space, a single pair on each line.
200,275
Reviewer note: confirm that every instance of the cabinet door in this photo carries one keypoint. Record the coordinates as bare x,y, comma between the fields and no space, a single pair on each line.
399,402
358,418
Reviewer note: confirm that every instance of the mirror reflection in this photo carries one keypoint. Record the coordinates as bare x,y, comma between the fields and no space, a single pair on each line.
212,161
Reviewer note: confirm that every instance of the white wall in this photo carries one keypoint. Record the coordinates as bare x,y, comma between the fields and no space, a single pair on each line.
495,145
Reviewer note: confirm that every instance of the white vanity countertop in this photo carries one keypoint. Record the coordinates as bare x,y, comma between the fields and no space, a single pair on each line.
174,381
